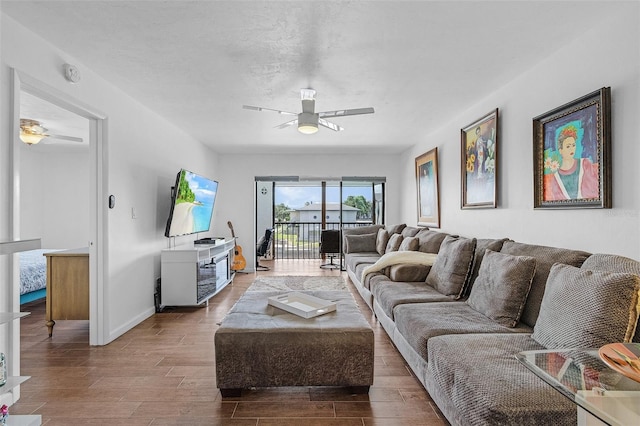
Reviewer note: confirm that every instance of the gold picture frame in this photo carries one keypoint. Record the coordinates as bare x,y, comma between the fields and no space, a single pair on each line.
427,189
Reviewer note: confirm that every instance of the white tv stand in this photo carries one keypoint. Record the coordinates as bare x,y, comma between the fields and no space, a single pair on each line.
193,273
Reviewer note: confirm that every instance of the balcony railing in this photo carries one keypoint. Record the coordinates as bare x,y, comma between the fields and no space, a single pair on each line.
301,240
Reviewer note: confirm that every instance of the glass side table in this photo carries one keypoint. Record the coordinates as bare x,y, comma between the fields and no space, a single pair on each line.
603,396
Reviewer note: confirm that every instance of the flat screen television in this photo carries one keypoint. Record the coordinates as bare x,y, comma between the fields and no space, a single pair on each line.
192,201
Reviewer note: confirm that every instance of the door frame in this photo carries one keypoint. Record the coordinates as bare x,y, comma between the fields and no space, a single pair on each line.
98,243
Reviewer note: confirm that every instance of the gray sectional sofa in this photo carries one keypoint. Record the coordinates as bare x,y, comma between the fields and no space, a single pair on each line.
459,321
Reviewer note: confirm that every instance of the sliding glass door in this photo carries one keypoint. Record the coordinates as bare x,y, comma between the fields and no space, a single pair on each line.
301,209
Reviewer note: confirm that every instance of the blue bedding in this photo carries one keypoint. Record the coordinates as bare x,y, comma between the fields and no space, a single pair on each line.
33,271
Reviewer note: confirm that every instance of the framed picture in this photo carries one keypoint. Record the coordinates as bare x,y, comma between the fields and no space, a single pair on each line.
572,154
427,184
479,148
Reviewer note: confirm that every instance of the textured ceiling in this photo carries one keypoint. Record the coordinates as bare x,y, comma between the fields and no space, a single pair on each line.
417,63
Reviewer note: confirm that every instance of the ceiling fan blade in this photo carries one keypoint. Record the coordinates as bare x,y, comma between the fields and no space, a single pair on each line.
287,124
255,108
330,125
344,112
64,138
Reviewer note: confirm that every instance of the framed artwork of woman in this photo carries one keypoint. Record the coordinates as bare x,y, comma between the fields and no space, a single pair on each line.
572,154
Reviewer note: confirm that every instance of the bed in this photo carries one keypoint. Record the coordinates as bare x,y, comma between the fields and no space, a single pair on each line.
33,275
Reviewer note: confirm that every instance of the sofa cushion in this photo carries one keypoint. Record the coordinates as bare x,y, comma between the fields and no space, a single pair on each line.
365,259
389,294
409,244
360,243
482,244
453,265
587,309
545,257
502,287
395,229
614,263
381,241
430,241
408,272
410,231
394,243
418,322
479,377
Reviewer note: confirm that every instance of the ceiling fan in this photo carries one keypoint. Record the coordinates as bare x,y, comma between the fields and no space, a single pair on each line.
32,132
308,120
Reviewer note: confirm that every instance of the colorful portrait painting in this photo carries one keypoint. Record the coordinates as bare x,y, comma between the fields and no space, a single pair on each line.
479,167
572,158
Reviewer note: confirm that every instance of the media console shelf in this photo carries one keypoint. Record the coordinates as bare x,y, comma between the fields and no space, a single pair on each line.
15,381
7,318
193,273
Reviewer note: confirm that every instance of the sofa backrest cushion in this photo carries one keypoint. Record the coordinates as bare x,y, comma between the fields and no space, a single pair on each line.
430,241
360,243
452,266
381,241
482,245
409,244
359,230
410,231
587,309
545,258
614,263
394,243
502,286
395,229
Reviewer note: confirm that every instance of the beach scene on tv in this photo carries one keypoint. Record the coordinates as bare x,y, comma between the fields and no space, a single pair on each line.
193,207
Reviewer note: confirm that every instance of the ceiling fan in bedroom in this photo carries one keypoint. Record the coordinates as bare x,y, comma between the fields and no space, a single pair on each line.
308,120
32,132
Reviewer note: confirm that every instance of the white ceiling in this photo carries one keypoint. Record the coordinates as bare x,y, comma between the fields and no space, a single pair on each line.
417,63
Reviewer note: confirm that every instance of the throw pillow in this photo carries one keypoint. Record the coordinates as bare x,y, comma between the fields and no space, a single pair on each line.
430,241
359,230
587,309
410,231
453,265
502,287
381,241
394,243
360,243
395,229
482,244
409,244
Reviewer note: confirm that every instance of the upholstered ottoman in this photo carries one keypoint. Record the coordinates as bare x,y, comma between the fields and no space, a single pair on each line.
258,345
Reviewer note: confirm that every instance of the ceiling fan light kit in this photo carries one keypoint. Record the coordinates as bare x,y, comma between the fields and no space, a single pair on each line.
30,138
307,123
308,120
32,132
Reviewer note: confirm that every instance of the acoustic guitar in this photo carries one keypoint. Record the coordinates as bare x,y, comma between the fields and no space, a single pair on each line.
239,262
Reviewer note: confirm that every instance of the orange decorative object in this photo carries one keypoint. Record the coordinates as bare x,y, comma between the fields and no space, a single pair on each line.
623,358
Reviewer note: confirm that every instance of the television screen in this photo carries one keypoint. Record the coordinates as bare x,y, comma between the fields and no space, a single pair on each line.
192,204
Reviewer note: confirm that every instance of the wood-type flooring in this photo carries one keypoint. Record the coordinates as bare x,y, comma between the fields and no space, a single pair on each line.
162,372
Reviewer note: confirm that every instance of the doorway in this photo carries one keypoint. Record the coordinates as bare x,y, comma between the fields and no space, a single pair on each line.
27,92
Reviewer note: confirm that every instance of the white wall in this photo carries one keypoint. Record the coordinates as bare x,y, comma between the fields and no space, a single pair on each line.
236,193
144,153
605,56
54,196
